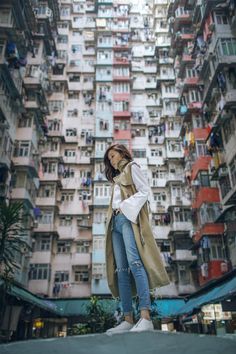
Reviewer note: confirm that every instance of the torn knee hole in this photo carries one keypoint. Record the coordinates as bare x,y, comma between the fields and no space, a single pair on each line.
122,270
137,263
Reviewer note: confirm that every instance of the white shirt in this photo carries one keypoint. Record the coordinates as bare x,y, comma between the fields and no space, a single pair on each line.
131,206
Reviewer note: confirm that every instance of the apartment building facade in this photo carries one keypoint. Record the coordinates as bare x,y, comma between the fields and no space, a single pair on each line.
203,42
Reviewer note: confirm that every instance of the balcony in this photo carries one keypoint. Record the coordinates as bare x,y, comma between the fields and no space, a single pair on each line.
174,154
121,59
44,201
175,177
201,164
80,259
101,201
183,255
209,229
206,195
104,76
23,194
181,226
158,182
98,229
161,232
30,162
45,228
155,160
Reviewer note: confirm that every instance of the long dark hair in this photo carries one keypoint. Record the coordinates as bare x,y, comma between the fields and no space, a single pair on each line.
110,171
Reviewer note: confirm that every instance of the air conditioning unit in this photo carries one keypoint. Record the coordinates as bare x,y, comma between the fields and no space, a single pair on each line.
176,209
116,127
86,243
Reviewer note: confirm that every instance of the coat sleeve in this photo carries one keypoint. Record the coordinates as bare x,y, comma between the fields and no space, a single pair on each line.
131,206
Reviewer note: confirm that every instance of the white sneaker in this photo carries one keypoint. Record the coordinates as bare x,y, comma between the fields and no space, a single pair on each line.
143,325
124,326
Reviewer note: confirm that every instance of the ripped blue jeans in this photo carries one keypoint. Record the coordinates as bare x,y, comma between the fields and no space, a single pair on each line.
128,260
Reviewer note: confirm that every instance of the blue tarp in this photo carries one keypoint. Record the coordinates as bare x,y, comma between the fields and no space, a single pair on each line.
219,293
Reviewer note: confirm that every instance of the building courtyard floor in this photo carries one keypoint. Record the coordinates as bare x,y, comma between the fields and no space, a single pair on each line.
126,343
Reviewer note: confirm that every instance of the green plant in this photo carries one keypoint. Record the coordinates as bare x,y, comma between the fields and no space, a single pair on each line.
10,244
10,240
98,320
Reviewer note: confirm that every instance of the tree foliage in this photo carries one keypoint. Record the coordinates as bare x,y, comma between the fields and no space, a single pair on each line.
10,239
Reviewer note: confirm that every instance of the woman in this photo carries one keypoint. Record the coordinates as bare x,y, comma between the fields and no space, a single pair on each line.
133,259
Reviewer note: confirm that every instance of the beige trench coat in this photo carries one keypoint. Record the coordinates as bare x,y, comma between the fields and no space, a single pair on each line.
147,247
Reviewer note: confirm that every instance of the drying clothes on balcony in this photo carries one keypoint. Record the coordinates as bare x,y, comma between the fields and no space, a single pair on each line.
221,81
183,110
204,270
205,242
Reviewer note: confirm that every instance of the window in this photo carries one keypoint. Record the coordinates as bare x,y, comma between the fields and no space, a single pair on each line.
71,132
62,38
121,88
65,11
61,276
82,274
65,221
99,217
204,179
229,127
99,270
176,191
222,19
46,217
209,212
227,46
44,243
72,113
69,153
170,89
74,78
50,167
39,272
72,95
82,247
141,153
98,243
232,167
225,186
63,247
67,197
22,148
102,191
5,16
47,191
183,242
217,249
156,152
184,275
201,148
183,215
76,48
55,106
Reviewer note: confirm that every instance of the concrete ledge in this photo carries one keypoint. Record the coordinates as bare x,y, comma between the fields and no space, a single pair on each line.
127,343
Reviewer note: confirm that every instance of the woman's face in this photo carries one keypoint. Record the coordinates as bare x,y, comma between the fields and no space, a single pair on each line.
114,157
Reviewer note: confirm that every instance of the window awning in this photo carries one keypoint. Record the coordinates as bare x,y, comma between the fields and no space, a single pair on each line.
76,307
223,291
33,299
